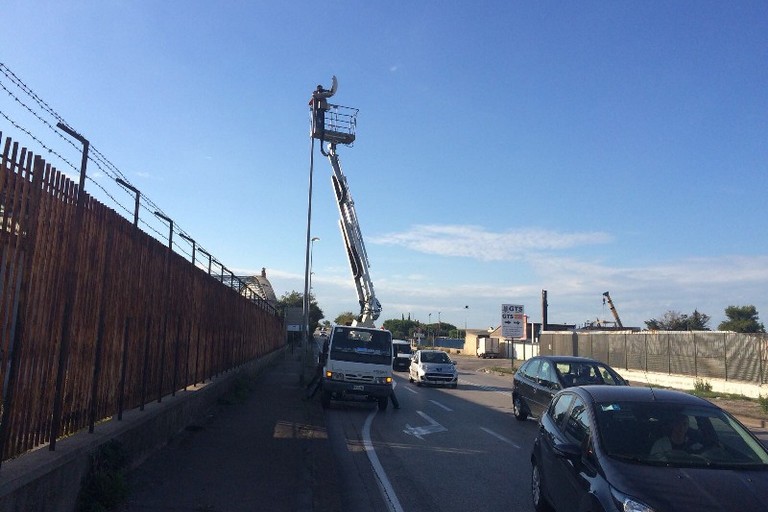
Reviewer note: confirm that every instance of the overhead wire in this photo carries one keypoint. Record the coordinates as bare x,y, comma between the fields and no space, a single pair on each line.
104,165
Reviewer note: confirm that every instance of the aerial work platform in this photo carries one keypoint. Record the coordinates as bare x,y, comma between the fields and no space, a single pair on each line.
334,124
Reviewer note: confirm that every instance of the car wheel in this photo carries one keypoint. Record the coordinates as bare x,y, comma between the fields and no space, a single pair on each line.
410,378
537,490
519,409
383,403
455,385
325,399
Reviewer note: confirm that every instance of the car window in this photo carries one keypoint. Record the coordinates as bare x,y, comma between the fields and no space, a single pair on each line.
532,369
558,409
607,377
547,376
578,426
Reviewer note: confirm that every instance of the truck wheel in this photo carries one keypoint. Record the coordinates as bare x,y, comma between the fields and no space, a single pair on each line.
325,399
383,403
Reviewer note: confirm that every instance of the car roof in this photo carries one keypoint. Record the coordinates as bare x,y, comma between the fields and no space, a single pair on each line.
569,359
603,393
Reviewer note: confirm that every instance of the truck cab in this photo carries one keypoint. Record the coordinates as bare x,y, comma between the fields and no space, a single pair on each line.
359,365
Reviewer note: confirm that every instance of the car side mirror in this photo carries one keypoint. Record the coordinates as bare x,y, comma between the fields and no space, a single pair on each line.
569,451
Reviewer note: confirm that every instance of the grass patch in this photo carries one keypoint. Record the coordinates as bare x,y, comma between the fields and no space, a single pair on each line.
506,370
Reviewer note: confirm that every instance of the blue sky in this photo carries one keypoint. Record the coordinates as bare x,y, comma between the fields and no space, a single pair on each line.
503,147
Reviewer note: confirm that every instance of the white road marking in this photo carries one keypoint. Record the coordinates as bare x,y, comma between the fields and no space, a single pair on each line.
499,436
441,405
411,390
387,491
432,428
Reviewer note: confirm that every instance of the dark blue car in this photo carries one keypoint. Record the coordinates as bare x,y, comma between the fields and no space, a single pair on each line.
620,448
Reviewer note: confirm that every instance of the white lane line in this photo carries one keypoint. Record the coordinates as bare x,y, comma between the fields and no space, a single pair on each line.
441,405
411,390
499,436
387,492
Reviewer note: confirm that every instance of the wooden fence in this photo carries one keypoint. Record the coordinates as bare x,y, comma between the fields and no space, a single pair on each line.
96,316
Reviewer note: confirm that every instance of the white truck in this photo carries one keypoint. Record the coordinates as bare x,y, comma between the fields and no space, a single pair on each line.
487,347
359,365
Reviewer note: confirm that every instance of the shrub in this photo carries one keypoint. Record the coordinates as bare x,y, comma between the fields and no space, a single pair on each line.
106,485
702,386
763,401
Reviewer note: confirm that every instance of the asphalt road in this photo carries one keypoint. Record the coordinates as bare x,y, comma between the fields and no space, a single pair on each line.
445,449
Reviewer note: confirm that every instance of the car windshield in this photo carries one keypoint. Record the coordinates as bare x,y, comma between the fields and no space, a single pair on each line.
435,357
658,433
401,348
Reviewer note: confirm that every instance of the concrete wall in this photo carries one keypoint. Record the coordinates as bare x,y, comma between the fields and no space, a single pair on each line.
50,481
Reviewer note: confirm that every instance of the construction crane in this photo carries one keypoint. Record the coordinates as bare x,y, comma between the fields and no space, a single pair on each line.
335,124
607,297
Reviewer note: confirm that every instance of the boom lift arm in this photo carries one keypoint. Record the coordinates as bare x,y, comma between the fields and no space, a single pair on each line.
607,297
370,308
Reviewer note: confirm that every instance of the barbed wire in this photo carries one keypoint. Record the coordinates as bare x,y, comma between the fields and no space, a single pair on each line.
98,159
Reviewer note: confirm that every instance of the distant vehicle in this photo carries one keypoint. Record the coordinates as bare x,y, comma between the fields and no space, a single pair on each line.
401,355
359,365
487,347
540,377
433,367
619,448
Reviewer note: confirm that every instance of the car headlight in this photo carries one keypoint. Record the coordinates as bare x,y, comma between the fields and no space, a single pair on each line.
628,503
382,380
334,375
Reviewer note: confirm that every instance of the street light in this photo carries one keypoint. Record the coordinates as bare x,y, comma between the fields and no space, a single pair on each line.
429,328
311,249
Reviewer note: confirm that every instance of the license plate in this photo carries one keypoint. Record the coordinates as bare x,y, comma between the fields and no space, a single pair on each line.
358,388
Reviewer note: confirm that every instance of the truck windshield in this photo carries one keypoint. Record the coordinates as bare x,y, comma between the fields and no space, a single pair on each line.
362,346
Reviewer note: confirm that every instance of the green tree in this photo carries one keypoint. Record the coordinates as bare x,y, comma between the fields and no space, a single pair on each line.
676,321
345,318
295,299
400,329
741,319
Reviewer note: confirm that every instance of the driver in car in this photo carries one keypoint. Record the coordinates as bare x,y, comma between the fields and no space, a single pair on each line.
675,438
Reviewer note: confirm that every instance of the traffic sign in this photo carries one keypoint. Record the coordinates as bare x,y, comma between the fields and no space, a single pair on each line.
512,320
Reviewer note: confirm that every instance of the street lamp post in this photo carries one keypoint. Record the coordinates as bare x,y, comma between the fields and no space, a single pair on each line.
465,321
311,250
438,329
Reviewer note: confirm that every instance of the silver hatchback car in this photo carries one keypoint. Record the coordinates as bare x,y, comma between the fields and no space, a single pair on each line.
433,367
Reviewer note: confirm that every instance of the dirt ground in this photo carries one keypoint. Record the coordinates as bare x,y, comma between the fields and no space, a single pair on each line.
749,412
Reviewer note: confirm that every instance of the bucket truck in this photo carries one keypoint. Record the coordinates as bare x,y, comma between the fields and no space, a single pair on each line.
359,361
